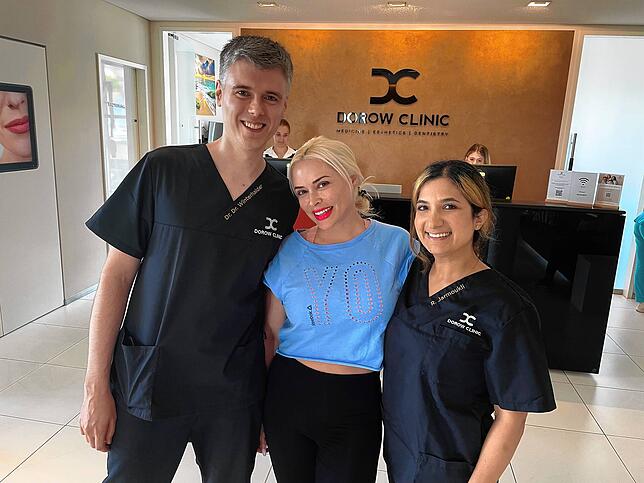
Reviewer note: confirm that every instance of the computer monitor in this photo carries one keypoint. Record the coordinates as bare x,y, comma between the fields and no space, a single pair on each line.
215,130
500,180
280,164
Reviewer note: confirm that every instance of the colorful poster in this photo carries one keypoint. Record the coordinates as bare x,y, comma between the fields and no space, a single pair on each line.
205,86
17,132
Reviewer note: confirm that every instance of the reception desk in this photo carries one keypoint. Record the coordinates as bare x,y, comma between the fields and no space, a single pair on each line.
565,258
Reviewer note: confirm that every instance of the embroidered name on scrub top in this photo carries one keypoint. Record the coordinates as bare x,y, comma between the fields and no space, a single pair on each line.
454,291
242,202
338,298
358,287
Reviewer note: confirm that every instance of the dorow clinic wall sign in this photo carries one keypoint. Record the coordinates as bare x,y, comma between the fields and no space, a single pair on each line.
390,123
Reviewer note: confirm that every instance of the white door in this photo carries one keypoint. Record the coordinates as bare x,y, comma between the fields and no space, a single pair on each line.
120,122
608,119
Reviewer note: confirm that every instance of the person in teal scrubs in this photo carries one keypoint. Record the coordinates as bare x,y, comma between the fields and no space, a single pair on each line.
639,262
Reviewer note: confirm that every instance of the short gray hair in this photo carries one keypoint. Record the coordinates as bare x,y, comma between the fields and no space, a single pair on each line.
262,52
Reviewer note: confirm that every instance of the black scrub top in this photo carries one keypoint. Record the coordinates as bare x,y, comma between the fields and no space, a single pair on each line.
192,337
448,359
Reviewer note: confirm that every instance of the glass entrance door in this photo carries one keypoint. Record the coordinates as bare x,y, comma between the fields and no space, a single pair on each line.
120,118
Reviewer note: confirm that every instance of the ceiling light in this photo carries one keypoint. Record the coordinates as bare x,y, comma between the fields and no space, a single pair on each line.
266,4
396,4
538,4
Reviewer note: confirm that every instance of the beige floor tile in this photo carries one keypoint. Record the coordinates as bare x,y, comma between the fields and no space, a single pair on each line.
610,347
618,412
558,376
89,296
11,371
262,469
571,412
381,477
557,456
626,318
507,476
50,393
632,453
75,421
188,471
66,458
617,371
39,343
19,438
631,341
639,360
621,302
75,314
75,356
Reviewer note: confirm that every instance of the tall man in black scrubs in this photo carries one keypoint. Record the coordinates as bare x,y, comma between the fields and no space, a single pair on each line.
196,226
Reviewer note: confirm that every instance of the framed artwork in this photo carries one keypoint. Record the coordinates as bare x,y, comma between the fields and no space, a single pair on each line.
18,146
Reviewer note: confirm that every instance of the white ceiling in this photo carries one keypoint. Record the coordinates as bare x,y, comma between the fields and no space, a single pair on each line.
573,12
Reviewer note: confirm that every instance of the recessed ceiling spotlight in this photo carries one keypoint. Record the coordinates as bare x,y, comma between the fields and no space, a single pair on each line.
266,4
538,4
396,4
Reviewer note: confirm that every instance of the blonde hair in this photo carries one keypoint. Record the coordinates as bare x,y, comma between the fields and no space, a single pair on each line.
340,157
480,149
474,189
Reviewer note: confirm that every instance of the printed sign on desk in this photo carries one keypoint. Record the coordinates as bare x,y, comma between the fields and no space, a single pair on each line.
559,186
609,190
582,188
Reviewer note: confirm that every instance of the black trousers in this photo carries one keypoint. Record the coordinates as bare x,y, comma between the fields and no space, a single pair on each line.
224,442
322,428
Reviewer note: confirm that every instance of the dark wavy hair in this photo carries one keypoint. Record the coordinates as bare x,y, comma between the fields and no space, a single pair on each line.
474,189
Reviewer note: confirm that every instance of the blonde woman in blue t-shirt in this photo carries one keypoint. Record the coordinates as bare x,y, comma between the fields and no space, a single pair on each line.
332,290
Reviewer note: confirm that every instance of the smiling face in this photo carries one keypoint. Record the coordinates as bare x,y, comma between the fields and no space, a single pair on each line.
280,139
254,101
14,127
323,193
444,220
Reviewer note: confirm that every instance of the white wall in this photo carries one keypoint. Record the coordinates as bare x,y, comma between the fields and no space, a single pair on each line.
609,119
31,280
73,32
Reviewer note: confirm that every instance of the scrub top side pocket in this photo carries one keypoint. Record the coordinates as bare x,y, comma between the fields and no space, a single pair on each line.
134,371
433,469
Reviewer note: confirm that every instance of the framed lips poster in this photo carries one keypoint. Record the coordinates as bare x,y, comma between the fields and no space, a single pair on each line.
18,147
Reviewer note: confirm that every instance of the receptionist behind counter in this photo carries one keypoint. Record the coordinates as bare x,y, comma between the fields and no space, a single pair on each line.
280,148
463,343
478,154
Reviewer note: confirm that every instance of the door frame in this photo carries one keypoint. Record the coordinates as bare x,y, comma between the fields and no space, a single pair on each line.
143,108
561,161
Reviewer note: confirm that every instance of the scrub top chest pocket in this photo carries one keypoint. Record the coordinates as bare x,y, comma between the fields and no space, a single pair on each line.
452,360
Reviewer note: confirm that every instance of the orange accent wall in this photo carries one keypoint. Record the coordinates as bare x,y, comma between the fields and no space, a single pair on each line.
502,88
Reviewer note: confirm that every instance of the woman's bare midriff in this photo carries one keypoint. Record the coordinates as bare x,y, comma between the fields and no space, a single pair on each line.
334,368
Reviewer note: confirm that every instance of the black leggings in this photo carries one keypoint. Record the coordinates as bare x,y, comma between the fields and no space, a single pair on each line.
322,428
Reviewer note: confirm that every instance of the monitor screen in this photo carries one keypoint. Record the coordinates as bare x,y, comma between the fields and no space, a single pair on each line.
500,180
281,165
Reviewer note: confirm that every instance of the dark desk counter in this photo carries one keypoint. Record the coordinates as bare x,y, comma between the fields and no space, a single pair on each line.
564,257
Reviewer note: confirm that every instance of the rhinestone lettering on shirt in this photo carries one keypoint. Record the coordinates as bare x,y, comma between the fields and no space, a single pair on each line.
361,292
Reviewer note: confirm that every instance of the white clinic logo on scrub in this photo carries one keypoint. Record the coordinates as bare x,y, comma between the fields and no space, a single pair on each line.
465,324
270,229
467,319
271,224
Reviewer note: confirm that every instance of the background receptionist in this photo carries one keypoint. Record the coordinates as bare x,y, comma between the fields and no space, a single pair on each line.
478,154
280,148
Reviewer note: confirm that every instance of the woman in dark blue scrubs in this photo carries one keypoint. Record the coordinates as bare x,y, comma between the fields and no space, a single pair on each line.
464,342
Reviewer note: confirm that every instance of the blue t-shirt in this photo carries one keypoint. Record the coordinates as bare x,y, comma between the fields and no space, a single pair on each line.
339,298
